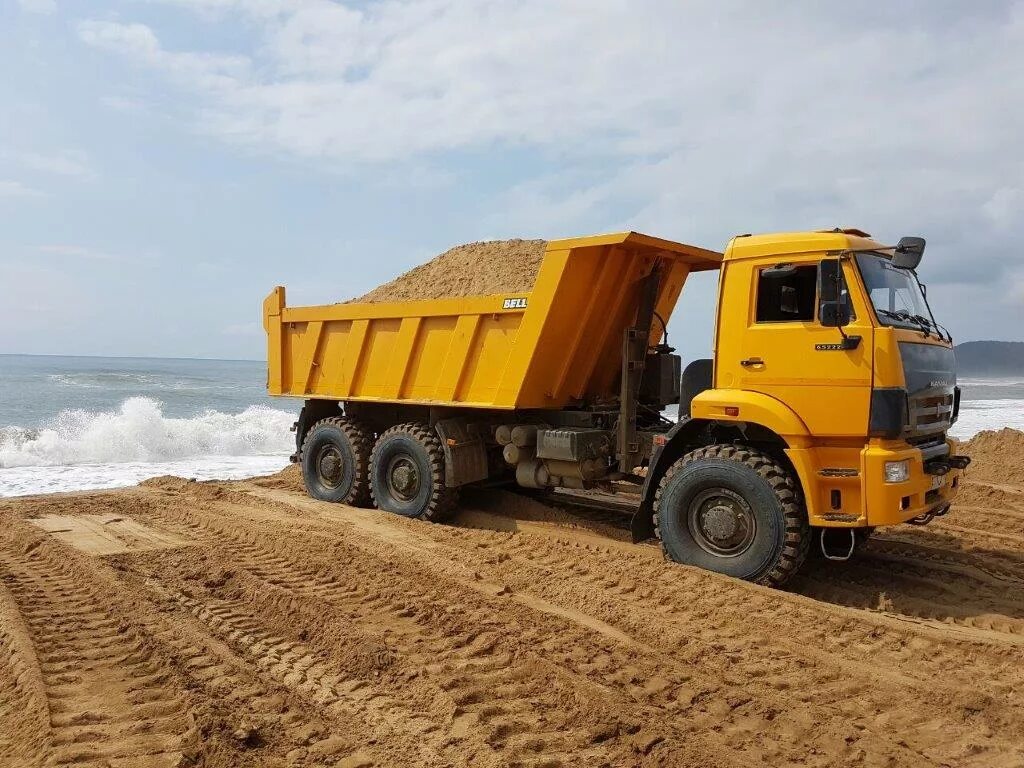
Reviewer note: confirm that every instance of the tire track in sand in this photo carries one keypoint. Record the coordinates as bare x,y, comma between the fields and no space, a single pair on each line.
220,694
501,682
830,690
941,595
20,681
870,649
472,640
105,695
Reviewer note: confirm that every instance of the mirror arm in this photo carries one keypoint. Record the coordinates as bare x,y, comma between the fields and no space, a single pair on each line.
849,342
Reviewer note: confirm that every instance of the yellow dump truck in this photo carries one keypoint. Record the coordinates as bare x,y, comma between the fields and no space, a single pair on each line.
823,414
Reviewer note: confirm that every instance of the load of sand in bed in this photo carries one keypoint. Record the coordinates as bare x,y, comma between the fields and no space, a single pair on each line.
473,269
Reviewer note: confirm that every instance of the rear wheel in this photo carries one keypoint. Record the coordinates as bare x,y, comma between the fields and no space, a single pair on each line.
734,510
407,474
336,462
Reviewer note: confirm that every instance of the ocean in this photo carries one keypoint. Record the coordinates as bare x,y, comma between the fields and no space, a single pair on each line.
82,423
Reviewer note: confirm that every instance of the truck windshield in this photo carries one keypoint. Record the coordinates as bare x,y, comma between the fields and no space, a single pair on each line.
895,293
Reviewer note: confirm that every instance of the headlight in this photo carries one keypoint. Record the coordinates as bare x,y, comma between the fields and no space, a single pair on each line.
897,471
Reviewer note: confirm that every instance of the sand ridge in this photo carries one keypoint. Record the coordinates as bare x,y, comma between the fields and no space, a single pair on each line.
473,269
998,455
269,629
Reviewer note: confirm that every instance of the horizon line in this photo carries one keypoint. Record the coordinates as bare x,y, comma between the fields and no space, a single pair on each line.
135,357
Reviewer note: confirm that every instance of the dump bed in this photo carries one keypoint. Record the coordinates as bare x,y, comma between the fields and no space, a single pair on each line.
557,345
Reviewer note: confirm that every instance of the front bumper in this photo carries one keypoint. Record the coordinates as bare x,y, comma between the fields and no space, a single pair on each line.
922,493
845,487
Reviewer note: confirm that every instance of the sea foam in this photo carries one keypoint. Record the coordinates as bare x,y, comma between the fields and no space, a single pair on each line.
978,415
138,431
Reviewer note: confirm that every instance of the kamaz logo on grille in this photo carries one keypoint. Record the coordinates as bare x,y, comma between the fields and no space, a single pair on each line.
938,383
514,304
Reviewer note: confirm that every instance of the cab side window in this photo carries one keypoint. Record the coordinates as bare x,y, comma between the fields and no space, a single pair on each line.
787,294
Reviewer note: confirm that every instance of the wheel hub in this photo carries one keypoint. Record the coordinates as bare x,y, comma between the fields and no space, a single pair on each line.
404,478
330,466
721,522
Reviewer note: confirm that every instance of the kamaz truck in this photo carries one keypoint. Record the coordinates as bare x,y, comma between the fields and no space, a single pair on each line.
823,414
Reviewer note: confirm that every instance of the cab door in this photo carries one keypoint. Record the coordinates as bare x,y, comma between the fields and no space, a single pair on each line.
772,341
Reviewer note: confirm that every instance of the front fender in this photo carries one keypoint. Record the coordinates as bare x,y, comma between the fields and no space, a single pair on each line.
738,405
711,407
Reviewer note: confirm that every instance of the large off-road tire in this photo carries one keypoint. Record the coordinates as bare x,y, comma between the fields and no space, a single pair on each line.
335,462
407,474
734,510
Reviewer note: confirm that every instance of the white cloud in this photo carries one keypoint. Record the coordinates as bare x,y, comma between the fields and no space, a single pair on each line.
77,251
216,9
125,104
395,79
1016,293
1006,206
695,120
38,6
9,188
65,163
206,71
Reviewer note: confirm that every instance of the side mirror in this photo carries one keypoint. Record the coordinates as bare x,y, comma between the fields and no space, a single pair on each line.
833,305
909,252
834,314
830,277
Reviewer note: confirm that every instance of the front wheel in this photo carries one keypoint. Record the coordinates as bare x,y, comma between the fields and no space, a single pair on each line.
733,510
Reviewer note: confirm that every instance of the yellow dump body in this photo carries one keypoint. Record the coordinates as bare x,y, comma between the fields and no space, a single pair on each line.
555,346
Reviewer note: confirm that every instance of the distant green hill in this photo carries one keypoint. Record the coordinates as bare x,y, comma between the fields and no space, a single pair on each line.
990,358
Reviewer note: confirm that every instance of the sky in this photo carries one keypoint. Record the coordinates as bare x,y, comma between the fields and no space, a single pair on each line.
165,163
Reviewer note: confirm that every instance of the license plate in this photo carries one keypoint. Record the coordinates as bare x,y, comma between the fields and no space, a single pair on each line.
936,482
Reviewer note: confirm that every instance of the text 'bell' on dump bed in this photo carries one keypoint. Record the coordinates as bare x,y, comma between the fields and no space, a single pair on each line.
822,415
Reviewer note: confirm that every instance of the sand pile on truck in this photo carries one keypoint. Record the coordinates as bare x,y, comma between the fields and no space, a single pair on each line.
473,269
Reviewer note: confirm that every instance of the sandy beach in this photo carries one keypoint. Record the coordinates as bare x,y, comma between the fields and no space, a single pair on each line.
243,624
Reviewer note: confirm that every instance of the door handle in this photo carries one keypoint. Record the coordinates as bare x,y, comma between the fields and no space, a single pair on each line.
751,361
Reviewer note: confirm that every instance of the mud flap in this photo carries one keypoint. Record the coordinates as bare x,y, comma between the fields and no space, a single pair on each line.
641,526
465,454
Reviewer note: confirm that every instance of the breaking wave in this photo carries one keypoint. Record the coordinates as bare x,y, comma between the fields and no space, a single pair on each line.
139,432
978,415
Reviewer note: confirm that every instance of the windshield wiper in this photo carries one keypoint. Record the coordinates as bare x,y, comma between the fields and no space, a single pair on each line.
903,316
923,324
931,315
942,333
931,324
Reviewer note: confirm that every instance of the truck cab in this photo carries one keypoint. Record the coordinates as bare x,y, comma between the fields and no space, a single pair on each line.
827,356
